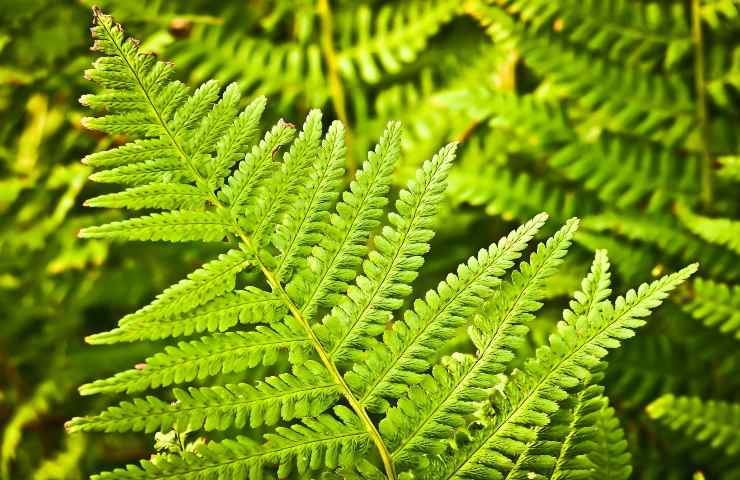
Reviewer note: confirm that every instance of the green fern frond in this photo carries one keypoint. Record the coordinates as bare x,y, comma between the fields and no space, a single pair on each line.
720,231
326,441
405,351
711,422
165,196
668,235
618,29
394,37
497,333
210,355
300,228
248,306
716,305
621,99
533,395
609,457
333,276
174,226
306,392
391,266
340,250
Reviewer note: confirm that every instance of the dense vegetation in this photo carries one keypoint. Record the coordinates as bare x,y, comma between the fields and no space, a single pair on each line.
295,331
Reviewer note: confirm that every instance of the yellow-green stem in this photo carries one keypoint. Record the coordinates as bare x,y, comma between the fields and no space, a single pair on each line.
707,182
336,88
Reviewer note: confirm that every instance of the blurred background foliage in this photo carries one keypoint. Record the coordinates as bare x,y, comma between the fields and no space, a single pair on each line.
622,112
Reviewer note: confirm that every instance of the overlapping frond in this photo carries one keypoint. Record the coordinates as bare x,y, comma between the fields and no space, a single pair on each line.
497,333
391,266
334,261
532,395
408,349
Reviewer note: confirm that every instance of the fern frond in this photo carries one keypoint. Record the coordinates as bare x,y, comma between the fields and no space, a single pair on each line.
165,196
213,279
326,441
343,245
160,170
712,422
306,392
173,226
208,356
716,305
300,227
618,29
574,424
247,306
591,442
233,146
667,234
131,153
610,457
496,338
406,349
258,164
532,395
281,189
624,100
720,231
391,267
395,36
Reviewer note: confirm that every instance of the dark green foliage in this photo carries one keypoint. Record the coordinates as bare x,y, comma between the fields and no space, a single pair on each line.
316,331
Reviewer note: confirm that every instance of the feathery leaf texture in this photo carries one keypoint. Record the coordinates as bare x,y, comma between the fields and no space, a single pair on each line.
333,276
716,305
710,422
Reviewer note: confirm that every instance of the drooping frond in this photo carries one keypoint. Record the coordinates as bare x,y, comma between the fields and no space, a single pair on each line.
531,396
716,305
326,441
306,392
712,422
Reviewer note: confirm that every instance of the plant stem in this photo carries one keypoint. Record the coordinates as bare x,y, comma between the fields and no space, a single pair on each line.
336,88
707,187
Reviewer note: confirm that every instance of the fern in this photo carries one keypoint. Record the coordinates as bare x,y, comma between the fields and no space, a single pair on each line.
711,422
310,285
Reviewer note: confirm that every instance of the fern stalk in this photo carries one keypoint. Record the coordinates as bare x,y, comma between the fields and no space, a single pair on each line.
336,88
707,186
326,360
